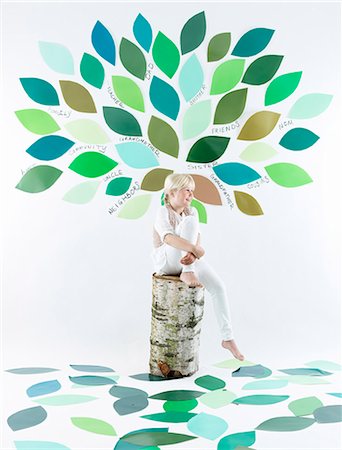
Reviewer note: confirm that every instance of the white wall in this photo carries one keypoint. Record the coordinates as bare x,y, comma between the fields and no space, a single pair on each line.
77,280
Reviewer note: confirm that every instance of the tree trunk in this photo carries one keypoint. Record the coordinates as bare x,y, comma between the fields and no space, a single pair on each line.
177,312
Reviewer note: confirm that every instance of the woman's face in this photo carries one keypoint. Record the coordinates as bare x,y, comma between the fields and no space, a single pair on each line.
182,198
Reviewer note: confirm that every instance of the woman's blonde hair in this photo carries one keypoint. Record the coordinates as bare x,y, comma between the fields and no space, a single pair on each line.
176,182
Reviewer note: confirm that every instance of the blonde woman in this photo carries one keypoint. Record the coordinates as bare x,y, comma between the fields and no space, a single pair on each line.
177,250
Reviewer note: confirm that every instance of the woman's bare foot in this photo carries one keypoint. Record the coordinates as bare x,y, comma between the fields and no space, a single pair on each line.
190,279
232,347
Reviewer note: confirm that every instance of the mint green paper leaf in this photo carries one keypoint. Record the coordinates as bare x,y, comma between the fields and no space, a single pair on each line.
218,47
266,384
39,445
147,439
230,107
57,57
298,139
171,416
325,365
136,207
306,371
92,70
142,32
193,33
288,175
37,121
61,400
247,204
40,91
177,395
163,136
258,151
196,119
137,155
286,424
164,98
226,76
253,42
38,179
132,58
165,54
121,121
210,382
27,418
118,186
92,425
218,398
191,78
82,193
261,399
328,414
77,96
128,92
207,426
208,149
262,69
304,406
202,213
236,440
154,180
92,164
236,174
282,87
310,105
87,131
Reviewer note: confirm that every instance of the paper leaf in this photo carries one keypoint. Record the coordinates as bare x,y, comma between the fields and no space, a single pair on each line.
154,180
262,69
202,213
131,404
193,33
206,191
132,58
142,32
286,424
103,42
136,207
57,57
92,70
288,175
82,193
226,76
39,445
128,92
196,119
253,42
37,121
92,164
218,47
306,371
118,186
177,395
62,400
92,380
210,382
121,121
27,418
164,98
163,136
208,149
324,365
38,179
93,425
191,78
31,370
87,131
247,204
123,391
233,364
40,91
261,399
46,387
147,439
165,55
298,139
217,399
328,414
266,384
236,174
259,125
282,87
258,151
304,406
48,148
91,368
77,97
207,426
148,377
236,440
171,416
230,107
180,405
137,155
310,105
256,371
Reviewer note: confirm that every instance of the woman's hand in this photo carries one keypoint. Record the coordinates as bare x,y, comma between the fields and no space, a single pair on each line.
189,258
198,251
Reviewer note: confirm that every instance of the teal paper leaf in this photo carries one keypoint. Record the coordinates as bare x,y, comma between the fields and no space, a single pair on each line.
253,42
142,32
193,33
91,368
170,416
118,186
207,426
298,139
40,91
48,148
103,42
232,441
27,418
92,380
147,439
164,98
236,174
130,404
177,395
92,70
46,387
210,382
328,414
286,424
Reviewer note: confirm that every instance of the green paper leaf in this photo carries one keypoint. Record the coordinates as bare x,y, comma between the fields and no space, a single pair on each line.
218,47
258,151
282,87
193,33
266,384
230,107
180,405
226,76
121,121
286,424
87,131
62,400
157,438
217,399
328,414
234,441
234,364
128,92
208,149
154,180
262,69
163,136
304,406
92,164
170,416
92,70
177,395
94,425
77,97
166,55
135,207
196,119
92,380
202,213
253,42
38,179
210,382
261,399
37,121
309,105
82,193
324,365
247,204
118,186
259,125
298,139
123,391
288,175
132,58
40,91
130,404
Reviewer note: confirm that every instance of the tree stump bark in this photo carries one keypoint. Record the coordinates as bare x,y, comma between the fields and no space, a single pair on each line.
177,312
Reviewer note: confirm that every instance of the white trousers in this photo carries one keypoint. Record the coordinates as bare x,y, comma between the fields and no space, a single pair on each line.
188,229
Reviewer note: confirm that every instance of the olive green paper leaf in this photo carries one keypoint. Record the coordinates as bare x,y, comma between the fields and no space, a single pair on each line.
38,179
37,121
93,425
259,125
132,58
128,92
92,164
77,97
136,207
121,121
154,180
288,175
226,76
247,204
230,107
218,47
262,69
282,87
193,33
92,70
163,136
208,149
165,54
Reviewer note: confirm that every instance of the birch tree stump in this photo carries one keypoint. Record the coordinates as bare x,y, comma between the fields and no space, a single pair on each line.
177,312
